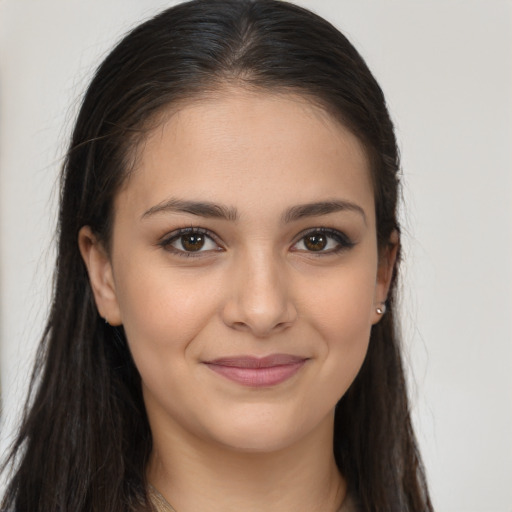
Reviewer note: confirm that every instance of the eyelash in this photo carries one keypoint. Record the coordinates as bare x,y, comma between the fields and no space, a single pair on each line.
167,241
342,240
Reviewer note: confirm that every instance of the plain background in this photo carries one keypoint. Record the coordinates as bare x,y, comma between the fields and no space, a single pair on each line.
446,69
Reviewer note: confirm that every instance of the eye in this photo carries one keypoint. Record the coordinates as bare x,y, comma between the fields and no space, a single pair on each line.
323,240
186,242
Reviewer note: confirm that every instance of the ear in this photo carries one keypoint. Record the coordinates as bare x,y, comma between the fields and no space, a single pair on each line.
387,260
100,273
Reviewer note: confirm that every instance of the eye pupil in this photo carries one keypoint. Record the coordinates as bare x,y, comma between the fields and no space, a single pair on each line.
315,242
193,241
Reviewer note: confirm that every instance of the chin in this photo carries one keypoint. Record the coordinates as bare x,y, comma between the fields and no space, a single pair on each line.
260,443
261,434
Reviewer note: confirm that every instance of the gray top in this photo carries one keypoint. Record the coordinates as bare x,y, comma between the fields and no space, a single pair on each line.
162,505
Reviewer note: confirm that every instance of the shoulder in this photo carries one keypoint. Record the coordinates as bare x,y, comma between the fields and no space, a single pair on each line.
349,504
159,503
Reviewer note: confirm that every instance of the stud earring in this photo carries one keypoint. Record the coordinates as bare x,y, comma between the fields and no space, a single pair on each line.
381,309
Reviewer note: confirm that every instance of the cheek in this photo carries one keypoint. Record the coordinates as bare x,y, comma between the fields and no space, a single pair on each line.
341,301
341,312
162,311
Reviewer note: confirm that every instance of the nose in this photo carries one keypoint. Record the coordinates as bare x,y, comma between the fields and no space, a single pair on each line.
259,299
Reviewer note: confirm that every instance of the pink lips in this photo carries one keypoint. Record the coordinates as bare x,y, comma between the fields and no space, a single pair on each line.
257,372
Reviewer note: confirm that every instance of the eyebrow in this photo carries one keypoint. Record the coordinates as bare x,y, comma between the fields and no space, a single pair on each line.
199,208
321,208
217,211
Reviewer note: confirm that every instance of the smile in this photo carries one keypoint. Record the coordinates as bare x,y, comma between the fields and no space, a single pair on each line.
258,372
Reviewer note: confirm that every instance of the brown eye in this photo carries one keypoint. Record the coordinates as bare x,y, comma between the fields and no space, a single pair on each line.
323,241
315,242
192,242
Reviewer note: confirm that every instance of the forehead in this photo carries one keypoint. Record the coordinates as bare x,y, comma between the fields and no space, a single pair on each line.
250,148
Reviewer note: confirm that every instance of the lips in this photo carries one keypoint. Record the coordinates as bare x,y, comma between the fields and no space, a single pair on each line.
255,371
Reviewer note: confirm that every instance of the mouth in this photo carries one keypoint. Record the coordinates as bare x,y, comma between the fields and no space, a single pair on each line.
257,371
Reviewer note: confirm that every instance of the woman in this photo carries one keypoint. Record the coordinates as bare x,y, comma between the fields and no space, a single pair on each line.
222,334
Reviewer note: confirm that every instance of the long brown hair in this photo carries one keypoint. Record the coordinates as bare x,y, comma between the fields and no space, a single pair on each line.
85,439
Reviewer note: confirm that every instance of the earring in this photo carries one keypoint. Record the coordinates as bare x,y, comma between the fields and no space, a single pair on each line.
381,309
106,321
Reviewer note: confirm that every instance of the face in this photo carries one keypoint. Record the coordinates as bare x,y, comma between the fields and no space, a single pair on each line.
244,269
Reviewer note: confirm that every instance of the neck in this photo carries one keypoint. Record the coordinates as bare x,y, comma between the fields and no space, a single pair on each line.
193,474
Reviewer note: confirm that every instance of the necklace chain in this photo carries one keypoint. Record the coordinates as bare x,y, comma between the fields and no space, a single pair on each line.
162,505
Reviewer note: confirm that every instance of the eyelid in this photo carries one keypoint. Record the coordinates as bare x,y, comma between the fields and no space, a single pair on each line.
166,241
343,240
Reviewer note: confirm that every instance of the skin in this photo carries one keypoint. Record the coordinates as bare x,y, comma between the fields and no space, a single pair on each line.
254,288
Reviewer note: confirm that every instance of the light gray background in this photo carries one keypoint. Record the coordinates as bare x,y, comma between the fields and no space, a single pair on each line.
446,68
